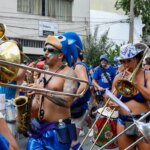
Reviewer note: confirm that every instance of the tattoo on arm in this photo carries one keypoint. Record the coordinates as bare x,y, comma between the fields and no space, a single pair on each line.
58,100
70,86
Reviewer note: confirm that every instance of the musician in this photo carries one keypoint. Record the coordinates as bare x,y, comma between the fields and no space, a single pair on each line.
79,108
130,56
54,110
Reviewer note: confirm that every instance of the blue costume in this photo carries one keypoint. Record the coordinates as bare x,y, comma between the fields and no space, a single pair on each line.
4,144
9,92
48,135
82,102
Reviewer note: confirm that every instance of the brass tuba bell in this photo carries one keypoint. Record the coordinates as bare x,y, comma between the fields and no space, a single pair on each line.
9,51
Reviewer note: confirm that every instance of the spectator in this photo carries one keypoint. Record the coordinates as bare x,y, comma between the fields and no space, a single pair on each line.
103,76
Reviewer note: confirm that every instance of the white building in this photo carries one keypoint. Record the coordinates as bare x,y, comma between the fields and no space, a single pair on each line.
104,15
30,21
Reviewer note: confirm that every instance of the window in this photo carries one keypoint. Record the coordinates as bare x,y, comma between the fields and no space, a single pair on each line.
30,6
30,43
60,9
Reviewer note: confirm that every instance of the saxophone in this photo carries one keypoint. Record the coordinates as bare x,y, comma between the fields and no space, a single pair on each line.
23,120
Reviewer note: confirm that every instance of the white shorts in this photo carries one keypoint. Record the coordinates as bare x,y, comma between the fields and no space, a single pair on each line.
80,121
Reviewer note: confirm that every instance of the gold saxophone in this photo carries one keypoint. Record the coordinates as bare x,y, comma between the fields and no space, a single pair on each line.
23,120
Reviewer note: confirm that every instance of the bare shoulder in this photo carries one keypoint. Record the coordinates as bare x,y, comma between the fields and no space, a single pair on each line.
80,68
147,73
70,72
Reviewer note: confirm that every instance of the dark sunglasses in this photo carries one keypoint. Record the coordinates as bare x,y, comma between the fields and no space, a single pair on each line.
50,50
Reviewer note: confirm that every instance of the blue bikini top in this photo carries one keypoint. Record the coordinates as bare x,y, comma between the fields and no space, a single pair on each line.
138,97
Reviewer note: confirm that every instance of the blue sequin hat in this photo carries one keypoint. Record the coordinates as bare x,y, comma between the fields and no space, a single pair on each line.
128,51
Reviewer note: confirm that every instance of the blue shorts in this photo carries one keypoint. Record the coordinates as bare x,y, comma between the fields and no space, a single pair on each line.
4,143
123,118
48,141
50,137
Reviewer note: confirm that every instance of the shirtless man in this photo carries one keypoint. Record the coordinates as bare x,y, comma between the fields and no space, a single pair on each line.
52,109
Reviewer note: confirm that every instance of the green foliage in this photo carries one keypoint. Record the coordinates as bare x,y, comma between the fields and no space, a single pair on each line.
141,7
97,47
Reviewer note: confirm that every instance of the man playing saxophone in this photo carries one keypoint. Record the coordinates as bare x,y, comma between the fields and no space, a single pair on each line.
52,128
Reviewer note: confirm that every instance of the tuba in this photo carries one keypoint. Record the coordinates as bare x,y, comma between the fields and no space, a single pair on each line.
9,51
23,120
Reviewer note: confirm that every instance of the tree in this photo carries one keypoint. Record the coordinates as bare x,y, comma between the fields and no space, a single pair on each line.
97,47
141,7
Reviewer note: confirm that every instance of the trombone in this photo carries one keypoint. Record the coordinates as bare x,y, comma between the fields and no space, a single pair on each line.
2,62
144,116
10,63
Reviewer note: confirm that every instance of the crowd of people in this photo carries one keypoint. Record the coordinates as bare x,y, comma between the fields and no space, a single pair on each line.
58,119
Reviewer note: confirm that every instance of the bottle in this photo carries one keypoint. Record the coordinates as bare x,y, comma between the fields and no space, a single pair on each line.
63,132
61,124
10,111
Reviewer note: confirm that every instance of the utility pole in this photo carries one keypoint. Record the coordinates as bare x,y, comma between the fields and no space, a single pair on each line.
131,24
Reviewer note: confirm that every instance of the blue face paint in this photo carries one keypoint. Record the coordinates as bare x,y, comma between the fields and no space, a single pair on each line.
52,54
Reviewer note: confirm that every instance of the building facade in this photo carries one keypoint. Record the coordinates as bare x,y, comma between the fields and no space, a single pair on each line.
30,21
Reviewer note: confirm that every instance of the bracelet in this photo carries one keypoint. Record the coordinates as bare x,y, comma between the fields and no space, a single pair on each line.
1,116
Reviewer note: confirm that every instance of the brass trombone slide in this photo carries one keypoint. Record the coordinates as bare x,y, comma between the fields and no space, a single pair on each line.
144,116
6,63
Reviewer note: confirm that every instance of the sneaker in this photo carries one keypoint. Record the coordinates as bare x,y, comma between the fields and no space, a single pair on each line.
91,133
81,133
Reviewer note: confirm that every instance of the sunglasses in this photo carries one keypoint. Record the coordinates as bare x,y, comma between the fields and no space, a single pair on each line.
51,50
